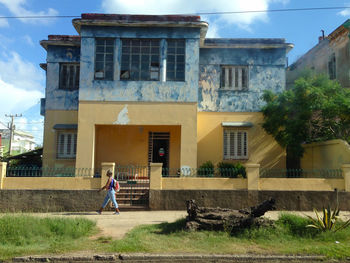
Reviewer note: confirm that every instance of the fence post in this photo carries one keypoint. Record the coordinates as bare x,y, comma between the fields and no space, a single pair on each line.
346,174
253,176
104,168
156,176
2,173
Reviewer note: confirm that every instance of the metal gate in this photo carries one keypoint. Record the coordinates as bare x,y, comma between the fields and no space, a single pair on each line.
134,186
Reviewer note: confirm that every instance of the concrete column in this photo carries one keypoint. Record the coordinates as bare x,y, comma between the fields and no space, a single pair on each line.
104,168
253,176
2,173
346,173
156,176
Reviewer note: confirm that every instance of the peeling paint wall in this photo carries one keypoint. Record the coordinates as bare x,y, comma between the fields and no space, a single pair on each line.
266,71
147,91
57,99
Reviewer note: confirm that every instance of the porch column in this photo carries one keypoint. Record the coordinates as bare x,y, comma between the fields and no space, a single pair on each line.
156,176
2,173
346,173
104,168
253,176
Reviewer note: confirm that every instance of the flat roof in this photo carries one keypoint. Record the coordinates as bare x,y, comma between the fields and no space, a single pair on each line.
61,40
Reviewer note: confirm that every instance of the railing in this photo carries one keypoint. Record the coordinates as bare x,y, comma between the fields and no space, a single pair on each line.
131,172
301,173
204,172
30,171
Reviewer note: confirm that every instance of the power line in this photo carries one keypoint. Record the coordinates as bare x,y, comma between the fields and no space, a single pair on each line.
200,13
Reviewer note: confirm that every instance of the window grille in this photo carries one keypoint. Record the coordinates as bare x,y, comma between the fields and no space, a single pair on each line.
104,59
140,59
235,144
69,76
175,69
234,77
66,145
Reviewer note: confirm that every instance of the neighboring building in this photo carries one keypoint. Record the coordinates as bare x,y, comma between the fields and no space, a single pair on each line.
21,141
330,56
135,89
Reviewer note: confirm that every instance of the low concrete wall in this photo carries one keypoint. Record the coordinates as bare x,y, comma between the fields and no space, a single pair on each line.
58,183
184,183
50,200
301,184
285,200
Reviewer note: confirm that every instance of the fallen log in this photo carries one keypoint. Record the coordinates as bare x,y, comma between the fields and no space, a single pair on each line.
218,219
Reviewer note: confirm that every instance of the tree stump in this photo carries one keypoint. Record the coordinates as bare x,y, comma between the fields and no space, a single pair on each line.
218,219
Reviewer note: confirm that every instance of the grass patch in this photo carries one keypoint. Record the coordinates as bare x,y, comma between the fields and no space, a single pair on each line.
289,235
23,235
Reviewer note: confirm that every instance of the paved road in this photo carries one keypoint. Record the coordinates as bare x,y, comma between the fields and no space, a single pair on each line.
116,226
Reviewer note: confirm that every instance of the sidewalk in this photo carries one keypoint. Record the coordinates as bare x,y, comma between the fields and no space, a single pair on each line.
116,226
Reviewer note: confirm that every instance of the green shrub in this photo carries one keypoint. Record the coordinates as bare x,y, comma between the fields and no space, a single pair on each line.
232,170
206,169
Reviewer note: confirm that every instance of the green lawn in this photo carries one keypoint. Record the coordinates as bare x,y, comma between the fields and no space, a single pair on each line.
25,235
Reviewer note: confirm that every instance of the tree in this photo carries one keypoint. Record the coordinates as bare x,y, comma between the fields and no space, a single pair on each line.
314,109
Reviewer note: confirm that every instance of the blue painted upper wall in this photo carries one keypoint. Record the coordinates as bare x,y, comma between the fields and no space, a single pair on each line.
266,71
264,60
57,99
146,91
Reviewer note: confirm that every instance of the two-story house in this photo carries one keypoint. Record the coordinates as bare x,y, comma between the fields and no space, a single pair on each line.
135,89
330,56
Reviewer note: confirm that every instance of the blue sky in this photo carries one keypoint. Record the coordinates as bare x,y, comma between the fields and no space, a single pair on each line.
22,81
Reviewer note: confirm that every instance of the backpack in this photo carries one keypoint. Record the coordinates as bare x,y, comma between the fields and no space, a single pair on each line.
115,185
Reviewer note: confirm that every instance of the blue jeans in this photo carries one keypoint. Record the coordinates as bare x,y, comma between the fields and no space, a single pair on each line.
110,196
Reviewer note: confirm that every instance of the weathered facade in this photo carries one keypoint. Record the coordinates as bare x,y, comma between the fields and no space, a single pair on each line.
138,89
330,56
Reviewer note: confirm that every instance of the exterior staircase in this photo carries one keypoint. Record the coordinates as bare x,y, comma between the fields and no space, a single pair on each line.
133,196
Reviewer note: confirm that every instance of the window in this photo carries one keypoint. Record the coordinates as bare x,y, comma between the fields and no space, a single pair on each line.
66,144
140,59
332,67
104,59
69,76
235,144
175,67
234,77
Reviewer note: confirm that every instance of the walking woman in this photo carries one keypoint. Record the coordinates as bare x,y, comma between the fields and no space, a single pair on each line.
110,193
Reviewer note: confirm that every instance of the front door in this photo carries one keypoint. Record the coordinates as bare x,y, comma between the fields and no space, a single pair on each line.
159,148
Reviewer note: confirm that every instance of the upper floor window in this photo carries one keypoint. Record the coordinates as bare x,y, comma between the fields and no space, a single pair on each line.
175,67
235,144
332,67
104,58
234,77
69,76
66,144
140,59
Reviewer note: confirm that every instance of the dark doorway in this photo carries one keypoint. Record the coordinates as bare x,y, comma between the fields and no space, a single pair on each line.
159,149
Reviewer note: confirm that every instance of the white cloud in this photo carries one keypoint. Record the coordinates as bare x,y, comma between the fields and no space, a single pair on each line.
16,100
345,12
195,6
21,74
18,8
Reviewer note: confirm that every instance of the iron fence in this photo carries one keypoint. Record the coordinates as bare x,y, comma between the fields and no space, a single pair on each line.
131,172
30,171
301,173
204,172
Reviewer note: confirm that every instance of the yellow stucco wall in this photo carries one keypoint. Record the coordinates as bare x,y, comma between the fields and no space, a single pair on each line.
50,137
204,183
262,148
326,155
136,113
305,184
128,144
57,183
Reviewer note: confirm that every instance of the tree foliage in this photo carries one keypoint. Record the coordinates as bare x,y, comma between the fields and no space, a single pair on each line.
314,109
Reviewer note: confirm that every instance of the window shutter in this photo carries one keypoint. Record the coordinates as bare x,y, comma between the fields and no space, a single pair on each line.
226,144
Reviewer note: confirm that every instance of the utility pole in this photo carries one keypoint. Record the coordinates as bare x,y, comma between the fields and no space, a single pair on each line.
12,128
